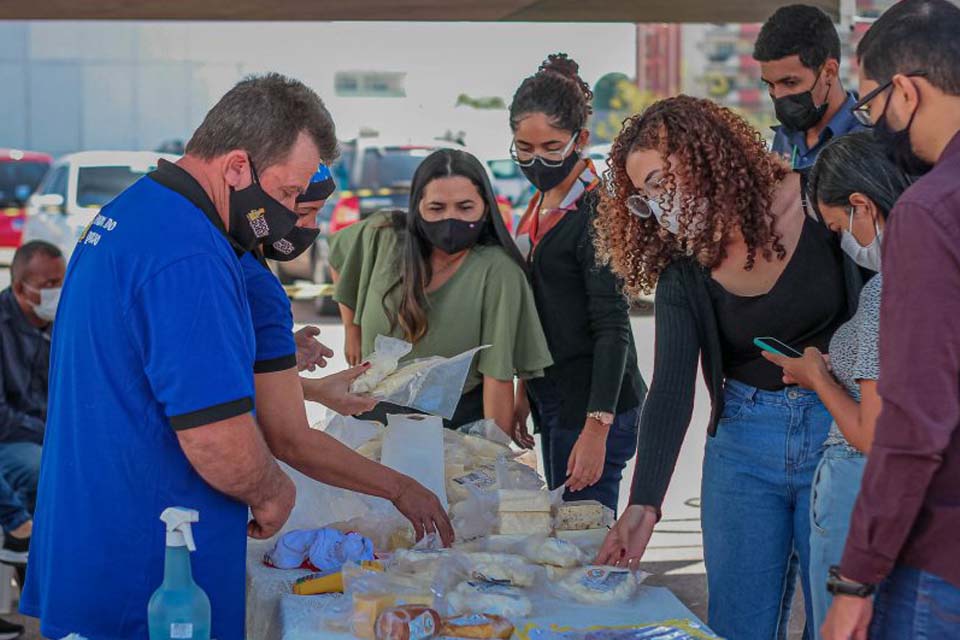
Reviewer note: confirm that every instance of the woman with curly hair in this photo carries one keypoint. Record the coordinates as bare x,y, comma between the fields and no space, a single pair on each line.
587,406
699,209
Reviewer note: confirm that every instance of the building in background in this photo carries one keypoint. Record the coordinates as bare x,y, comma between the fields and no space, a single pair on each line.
660,58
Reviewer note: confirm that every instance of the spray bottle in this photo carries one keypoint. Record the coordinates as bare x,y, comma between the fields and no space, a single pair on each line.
179,609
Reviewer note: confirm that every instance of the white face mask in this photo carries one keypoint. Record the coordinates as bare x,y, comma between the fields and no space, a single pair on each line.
867,257
49,299
669,221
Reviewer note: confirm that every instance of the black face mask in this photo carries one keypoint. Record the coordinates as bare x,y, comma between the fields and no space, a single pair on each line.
291,245
797,111
256,217
545,178
451,236
897,145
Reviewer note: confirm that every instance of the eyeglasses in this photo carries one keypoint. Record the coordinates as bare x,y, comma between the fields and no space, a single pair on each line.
551,159
639,203
861,110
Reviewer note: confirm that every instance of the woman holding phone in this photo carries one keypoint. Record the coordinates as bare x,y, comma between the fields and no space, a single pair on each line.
700,209
854,186
587,406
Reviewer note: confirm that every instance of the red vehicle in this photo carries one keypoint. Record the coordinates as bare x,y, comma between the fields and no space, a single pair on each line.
20,173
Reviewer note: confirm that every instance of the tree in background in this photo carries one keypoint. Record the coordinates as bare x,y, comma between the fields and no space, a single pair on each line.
616,98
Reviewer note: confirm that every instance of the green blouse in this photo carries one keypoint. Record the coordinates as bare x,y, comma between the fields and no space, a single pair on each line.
488,301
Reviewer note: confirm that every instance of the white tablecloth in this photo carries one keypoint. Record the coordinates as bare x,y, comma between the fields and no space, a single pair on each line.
274,613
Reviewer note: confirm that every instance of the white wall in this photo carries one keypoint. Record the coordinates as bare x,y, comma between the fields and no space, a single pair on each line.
66,86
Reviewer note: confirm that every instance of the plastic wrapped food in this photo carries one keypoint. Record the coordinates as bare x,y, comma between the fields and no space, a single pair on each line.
552,551
479,596
477,625
500,567
408,622
581,515
598,585
383,361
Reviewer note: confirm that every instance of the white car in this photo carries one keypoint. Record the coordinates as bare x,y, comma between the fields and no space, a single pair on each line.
76,187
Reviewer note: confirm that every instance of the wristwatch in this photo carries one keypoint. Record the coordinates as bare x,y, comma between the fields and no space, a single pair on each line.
603,417
837,586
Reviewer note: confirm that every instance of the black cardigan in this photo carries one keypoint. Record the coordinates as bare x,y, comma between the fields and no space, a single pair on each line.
686,327
586,319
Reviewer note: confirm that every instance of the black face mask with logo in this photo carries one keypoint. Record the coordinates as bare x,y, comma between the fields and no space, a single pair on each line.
291,245
797,111
258,218
451,235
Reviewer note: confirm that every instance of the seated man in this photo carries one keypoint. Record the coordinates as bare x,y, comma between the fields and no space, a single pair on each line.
27,309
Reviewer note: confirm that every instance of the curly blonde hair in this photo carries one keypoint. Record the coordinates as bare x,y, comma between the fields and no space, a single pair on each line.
724,175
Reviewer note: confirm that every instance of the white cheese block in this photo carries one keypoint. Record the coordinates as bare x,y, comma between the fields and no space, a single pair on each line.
582,514
525,522
500,567
552,551
523,500
478,596
588,540
599,585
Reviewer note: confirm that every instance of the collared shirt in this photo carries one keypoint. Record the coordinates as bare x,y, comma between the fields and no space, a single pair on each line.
24,361
271,315
153,335
536,223
908,511
792,145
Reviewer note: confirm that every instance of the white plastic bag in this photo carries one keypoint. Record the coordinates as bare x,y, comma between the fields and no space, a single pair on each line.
430,385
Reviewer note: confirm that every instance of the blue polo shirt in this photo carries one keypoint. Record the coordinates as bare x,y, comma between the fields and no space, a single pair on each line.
271,315
792,145
154,335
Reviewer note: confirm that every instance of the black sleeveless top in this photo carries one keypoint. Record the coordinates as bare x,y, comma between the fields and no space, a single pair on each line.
803,309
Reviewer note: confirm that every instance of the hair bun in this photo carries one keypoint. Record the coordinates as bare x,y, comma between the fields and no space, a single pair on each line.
562,64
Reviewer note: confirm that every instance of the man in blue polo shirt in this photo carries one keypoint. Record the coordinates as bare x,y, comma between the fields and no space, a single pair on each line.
799,54
152,380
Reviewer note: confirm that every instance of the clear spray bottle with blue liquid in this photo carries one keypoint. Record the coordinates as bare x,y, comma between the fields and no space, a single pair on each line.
179,609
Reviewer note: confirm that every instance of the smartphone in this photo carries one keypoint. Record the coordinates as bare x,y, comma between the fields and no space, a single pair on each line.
775,346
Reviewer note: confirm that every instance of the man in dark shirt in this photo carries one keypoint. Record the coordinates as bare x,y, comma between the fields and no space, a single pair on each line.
27,309
799,54
904,541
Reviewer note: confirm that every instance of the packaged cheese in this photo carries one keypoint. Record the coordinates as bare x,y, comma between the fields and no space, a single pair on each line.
408,622
523,500
500,567
552,551
599,585
477,625
525,522
479,596
582,514
367,607
384,360
589,540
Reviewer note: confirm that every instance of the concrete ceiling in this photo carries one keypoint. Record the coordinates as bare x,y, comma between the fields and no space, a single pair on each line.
406,10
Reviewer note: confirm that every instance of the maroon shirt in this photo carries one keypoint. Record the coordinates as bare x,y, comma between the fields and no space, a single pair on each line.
908,511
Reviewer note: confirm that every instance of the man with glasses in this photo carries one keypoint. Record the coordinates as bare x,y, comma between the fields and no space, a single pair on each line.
900,573
799,54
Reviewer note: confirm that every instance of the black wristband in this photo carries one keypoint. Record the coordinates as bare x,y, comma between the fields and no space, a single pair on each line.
837,586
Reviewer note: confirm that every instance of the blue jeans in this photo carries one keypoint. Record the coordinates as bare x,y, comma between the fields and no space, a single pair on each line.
915,604
836,485
557,444
19,475
757,473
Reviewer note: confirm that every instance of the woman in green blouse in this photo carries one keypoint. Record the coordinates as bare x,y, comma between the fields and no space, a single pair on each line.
446,277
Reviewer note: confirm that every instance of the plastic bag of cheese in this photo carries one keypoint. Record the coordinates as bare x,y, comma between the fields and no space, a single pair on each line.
595,585
430,385
383,361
